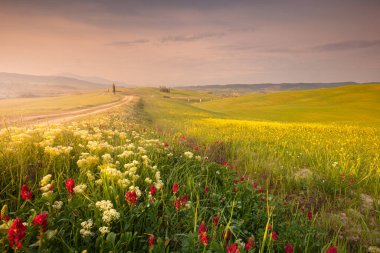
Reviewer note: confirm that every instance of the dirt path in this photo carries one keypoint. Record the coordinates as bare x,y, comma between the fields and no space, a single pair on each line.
73,114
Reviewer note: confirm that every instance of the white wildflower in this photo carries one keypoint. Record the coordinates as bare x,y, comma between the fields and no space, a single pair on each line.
57,205
110,216
80,188
188,154
104,205
45,180
104,230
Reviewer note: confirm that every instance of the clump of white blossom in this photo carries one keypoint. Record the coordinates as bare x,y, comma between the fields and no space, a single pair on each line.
86,228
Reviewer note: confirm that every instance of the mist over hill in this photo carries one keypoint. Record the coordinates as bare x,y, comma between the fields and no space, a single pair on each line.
264,87
21,85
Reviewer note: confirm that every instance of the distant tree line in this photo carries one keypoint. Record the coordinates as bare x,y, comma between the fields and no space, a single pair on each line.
164,89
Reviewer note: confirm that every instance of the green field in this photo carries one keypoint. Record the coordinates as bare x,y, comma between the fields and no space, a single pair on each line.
41,105
303,166
318,148
348,105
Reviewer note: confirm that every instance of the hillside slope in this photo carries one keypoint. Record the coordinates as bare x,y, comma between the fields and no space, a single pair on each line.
231,89
348,104
19,85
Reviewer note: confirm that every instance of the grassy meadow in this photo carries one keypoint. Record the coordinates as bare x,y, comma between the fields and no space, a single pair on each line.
352,104
188,171
110,183
318,149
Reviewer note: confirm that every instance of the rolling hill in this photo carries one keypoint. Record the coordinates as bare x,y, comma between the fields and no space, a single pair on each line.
347,104
239,89
20,85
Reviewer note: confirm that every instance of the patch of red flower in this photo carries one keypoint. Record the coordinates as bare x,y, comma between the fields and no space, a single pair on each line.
196,148
332,249
41,219
4,218
250,243
227,165
16,233
151,241
226,236
175,188
207,189
178,203
131,197
26,193
309,215
184,199
274,236
202,234
70,184
166,145
152,190
288,248
215,220
233,248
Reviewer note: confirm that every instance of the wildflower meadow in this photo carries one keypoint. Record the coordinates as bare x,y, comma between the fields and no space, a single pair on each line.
111,184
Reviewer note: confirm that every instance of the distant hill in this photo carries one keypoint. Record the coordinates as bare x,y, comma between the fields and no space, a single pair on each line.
93,79
20,85
231,89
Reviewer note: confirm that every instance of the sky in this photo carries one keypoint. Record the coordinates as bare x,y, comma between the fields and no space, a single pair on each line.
193,42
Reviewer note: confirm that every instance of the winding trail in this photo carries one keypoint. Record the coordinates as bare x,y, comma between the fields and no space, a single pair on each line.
73,114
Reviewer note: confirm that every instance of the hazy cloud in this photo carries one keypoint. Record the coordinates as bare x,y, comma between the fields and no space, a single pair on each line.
348,45
127,43
190,38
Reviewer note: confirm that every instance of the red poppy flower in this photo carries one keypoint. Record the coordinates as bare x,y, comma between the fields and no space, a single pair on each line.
131,197
233,248
184,199
202,234
250,243
26,193
215,220
177,204
274,236
166,145
207,189
70,184
41,219
288,248
332,249
16,233
152,190
309,215
175,188
196,148
151,241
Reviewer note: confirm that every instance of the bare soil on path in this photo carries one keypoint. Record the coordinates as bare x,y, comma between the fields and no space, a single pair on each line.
67,116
